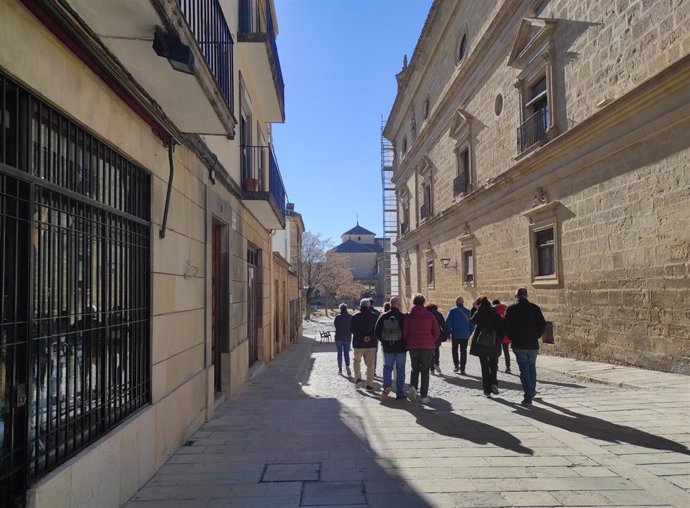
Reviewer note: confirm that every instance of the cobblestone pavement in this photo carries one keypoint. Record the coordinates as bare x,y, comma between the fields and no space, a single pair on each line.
299,434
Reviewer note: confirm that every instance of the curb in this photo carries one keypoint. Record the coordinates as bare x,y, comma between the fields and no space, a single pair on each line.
594,379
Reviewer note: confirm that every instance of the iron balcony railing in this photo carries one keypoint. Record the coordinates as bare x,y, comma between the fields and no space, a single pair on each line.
207,22
275,183
255,161
460,185
533,130
424,211
256,25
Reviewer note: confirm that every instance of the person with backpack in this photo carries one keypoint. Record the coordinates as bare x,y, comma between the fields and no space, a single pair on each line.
486,344
436,365
420,330
389,331
460,329
343,338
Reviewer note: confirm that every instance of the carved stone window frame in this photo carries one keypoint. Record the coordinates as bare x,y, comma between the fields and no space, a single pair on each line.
404,199
467,243
545,216
429,257
426,180
461,131
534,55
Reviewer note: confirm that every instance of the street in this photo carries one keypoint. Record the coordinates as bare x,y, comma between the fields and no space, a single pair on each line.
299,434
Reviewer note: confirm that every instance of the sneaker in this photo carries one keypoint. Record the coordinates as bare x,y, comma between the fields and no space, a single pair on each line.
425,400
438,370
358,384
340,371
432,371
402,397
456,369
527,401
412,393
494,389
349,372
462,372
487,395
386,392
370,388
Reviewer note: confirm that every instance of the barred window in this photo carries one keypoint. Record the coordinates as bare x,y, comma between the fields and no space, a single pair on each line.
75,231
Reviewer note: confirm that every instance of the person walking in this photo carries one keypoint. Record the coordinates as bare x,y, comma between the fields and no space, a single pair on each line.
362,327
501,309
524,323
435,365
389,330
486,344
377,313
420,330
343,338
460,329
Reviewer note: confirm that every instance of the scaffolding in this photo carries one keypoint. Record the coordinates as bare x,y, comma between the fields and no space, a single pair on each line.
390,217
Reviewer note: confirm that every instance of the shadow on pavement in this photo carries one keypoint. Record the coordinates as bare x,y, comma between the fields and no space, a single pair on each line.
441,420
467,381
593,427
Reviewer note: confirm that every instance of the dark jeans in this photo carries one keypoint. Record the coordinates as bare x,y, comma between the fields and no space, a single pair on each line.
527,361
421,363
489,370
343,351
506,354
463,353
437,354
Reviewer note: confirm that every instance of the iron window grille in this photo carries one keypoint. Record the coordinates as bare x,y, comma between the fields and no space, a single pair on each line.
74,272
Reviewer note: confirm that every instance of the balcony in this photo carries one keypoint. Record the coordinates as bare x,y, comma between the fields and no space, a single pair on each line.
424,211
198,97
256,39
533,130
460,185
263,192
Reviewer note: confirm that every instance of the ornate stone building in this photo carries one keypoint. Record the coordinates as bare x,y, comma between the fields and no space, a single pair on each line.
139,190
365,255
545,144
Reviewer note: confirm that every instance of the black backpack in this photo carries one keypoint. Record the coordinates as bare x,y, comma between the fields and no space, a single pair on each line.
391,329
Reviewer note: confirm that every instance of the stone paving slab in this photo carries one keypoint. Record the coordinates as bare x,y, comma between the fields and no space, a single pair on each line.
581,444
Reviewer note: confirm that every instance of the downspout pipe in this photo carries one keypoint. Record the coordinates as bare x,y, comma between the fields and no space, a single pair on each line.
171,147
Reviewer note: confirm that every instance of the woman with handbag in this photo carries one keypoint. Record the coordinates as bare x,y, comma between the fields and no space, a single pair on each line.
486,343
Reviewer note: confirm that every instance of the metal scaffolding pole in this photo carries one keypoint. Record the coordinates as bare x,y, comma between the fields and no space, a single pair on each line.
390,216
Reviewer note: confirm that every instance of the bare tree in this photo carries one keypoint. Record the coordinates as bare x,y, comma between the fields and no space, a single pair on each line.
338,282
314,249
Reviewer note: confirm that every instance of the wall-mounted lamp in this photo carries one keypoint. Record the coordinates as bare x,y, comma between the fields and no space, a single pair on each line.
168,46
445,263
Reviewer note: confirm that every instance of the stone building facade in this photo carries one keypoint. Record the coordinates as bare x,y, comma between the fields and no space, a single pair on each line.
138,191
544,144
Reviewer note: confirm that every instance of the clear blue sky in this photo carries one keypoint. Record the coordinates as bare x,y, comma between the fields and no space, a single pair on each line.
339,60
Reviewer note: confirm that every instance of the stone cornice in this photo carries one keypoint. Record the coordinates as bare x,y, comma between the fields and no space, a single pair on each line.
471,74
652,107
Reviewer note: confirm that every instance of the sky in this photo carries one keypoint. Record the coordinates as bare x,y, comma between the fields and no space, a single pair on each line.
339,59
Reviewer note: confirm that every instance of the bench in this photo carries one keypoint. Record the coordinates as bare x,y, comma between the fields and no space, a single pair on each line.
325,336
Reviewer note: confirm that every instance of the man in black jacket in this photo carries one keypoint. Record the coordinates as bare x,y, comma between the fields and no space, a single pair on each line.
388,330
363,342
524,323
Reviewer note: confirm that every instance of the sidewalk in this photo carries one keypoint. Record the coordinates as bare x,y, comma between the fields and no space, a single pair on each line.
300,435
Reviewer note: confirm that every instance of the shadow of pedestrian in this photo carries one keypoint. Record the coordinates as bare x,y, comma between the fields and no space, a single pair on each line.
476,382
441,420
593,427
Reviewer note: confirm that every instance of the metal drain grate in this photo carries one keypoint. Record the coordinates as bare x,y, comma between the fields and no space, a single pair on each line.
298,472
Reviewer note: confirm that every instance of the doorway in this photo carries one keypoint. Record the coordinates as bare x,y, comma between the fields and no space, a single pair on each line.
253,306
220,300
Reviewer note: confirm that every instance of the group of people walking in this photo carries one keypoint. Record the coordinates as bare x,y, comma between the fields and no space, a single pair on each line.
488,329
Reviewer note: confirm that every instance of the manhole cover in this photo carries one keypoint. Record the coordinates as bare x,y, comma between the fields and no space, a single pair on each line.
333,494
301,472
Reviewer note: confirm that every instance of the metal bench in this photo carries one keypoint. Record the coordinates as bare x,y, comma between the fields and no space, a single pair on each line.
325,336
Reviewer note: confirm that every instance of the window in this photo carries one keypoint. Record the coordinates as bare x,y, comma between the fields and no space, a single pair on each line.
427,106
462,48
413,128
533,53
404,146
425,210
544,241
545,245
461,183
468,267
430,272
408,279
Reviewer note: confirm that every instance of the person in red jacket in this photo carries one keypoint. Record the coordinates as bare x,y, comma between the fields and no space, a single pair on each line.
501,309
420,330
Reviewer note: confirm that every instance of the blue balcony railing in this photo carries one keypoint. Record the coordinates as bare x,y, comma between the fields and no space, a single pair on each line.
256,25
207,22
275,183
